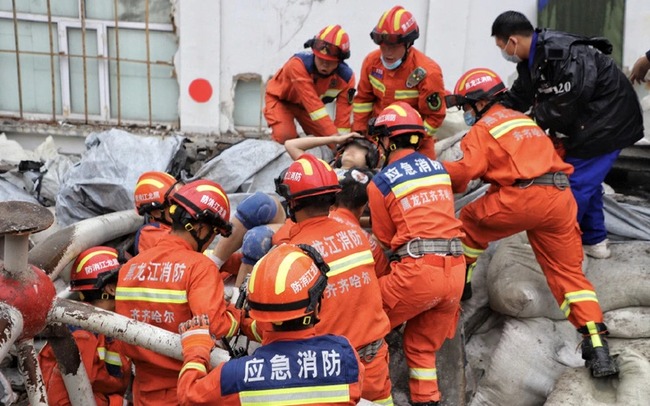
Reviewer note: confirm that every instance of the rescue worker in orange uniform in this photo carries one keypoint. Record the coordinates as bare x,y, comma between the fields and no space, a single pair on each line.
412,211
399,72
151,201
529,192
94,277
306,83
172,282
294,365
352,303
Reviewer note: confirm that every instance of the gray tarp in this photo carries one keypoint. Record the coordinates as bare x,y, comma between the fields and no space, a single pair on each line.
105,178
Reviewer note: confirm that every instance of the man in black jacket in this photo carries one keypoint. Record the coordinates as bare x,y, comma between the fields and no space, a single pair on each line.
577,93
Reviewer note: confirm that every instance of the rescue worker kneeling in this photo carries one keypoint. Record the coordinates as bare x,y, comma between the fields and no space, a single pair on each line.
529,192
293,366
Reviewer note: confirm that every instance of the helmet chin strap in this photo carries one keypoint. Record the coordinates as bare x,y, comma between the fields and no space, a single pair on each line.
200,241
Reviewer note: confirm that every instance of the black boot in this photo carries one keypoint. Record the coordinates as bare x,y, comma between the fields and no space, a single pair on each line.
595,350
425,404
467,290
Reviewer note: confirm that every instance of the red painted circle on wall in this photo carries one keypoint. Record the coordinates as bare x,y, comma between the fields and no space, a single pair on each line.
200,90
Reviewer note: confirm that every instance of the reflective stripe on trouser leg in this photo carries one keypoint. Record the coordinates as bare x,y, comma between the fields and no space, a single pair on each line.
594,334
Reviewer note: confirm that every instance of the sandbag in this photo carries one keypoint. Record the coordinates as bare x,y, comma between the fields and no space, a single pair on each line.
528,359
630,322
576,387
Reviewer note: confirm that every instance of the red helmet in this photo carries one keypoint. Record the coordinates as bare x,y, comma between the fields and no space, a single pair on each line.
372,156
202,201
287,283
396,26
307,176
475,84
331,43
93,268
397,119
152,190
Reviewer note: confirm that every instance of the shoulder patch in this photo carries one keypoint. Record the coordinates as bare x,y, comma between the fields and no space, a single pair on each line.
416,77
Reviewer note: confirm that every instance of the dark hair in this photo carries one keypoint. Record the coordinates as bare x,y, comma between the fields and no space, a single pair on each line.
404,140
323,201
511,23
352,196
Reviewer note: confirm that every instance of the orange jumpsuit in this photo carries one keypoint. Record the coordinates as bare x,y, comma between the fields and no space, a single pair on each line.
298,92
411,198
379,87
109,371
290,368
165,286
505,146
148,235
352,302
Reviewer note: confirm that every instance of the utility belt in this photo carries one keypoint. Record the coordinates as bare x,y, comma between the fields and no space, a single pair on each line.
558,179
418,247
368,352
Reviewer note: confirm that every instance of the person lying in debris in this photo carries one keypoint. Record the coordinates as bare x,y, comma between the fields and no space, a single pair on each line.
353,150
173,281
94,278
295,364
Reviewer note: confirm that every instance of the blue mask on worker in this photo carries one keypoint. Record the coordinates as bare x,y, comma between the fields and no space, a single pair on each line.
469,118
392,66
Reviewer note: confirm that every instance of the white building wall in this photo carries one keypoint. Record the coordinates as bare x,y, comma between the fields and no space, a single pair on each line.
222,40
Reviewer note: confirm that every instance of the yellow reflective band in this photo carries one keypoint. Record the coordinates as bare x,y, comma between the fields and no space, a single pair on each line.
101,351
423,374
508,126
193,365
431,130
297,396
256,333
318,114
283,271
407,187
362,107
376,83
397,19
331,93
471,252
351,261
210,188
113,358
406,94
461,83
576,297
384,402
155,183
151,295
88,257
339,37
593,333
233,325
343,130
382,19
470,272
326,31
251,279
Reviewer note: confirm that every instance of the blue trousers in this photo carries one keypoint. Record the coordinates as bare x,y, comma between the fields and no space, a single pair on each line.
586,184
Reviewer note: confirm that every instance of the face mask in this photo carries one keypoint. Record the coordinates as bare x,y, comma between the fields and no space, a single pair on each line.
393,66
510,58
469,118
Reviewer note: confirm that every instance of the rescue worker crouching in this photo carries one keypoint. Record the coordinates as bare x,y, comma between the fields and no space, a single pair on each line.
294,365
352,303
308,81
529,192
173,281
94,278
412,210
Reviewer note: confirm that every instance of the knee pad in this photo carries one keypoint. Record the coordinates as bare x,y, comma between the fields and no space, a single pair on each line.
257,242
256,210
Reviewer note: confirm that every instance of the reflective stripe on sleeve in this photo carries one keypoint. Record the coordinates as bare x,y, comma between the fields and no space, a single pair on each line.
151,295
297,396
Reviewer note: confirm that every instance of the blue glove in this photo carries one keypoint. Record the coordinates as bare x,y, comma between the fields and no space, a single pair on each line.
257,242
256,210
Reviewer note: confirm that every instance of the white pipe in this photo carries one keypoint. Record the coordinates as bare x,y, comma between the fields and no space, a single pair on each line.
61,248
12,320
28,367
16,249
122,328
